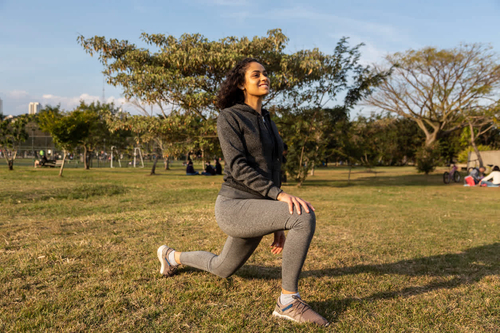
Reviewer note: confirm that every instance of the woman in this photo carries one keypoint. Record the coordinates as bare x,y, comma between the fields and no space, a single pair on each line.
494,176
250,203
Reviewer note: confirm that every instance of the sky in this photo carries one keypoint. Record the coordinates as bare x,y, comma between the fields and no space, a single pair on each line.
41,61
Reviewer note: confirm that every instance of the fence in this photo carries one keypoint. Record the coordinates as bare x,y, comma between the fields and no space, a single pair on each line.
100,159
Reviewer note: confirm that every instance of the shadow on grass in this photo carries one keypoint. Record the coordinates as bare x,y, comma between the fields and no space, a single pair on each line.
463,268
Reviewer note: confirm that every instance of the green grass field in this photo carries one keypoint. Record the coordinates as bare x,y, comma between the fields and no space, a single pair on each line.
395,251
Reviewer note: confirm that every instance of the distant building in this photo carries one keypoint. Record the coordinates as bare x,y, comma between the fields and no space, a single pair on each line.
34,108
1,106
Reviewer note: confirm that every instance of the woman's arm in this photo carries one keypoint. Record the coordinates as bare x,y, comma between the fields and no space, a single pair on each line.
231,142
490,176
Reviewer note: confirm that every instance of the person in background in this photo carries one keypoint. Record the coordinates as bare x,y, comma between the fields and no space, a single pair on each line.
475,175
190,169
209,170
494,176
218,167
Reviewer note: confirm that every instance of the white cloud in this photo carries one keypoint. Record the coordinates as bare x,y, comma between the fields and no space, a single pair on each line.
69,103
16,101
17,94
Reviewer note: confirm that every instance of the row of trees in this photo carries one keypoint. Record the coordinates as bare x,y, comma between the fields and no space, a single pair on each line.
314,137
426,99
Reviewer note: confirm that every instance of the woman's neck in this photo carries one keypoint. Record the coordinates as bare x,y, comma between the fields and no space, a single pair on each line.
254,102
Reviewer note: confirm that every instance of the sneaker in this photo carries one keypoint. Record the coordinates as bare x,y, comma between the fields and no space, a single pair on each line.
299,311
166,269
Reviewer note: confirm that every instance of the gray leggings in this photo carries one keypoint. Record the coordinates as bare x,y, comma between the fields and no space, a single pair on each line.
246,221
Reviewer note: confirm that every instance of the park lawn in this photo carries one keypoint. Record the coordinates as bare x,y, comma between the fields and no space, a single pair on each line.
394,251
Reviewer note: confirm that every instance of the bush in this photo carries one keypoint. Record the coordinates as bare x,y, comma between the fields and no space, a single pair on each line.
428,158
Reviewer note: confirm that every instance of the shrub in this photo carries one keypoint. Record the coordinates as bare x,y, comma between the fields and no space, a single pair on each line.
428,159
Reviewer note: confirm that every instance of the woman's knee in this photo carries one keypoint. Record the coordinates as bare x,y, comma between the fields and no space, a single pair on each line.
224,272
306,222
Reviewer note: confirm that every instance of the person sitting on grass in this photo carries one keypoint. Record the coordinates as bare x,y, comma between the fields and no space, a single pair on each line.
475,175
218,167
251,203
494,176
209,170
190,169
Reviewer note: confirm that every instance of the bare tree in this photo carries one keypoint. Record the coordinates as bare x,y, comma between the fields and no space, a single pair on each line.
433,86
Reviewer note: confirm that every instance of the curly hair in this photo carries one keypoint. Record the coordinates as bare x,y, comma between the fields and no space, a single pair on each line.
229,92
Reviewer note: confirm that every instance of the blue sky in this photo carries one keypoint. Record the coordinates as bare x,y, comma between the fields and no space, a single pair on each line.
40,60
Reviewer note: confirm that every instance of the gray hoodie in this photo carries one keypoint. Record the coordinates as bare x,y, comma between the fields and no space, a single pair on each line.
252,149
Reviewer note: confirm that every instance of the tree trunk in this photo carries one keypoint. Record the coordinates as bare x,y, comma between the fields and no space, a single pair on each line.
301,166
349,177
473,143
85,160
312,169
10,161
153,169
62,164
430,138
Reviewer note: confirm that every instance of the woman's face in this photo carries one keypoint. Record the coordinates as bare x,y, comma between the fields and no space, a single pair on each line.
256,81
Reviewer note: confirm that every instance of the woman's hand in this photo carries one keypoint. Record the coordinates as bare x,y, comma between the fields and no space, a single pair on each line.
279,242
295,201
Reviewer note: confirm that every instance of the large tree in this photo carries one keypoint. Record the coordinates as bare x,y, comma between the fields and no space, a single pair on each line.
433,87
185,73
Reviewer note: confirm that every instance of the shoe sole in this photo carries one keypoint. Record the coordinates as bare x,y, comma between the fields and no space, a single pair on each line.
163,262
276,314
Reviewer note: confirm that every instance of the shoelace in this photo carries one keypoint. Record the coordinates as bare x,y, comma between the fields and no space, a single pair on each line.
301,307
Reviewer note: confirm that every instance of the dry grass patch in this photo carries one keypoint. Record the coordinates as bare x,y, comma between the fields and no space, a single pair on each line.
394,251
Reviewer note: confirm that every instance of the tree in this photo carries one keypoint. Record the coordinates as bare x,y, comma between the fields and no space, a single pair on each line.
311,136
93,115
12,134
68,129
185,74
308,126
433,87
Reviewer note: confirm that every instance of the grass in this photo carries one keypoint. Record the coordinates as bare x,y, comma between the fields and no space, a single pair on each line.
396,252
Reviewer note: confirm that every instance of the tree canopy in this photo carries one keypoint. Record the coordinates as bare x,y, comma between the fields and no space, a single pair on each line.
185,73
434,87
